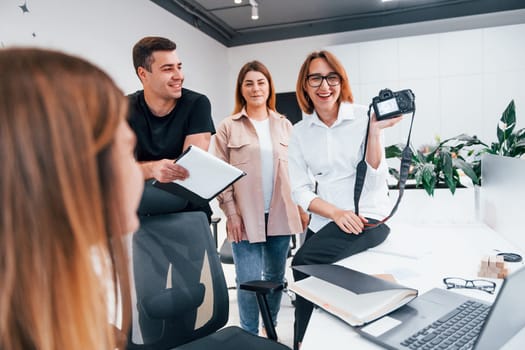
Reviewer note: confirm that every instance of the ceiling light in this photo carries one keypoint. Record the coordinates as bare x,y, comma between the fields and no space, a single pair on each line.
238,1
255,9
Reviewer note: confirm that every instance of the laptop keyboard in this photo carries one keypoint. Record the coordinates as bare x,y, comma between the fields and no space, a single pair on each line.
457,330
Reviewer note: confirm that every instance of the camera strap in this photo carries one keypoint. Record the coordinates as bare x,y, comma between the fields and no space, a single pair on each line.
406,160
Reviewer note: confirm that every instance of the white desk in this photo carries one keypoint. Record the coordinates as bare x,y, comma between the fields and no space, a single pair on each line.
419,256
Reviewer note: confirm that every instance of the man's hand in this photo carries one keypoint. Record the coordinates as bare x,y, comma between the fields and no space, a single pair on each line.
164,170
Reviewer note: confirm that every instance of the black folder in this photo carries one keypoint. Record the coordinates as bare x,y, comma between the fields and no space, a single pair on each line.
355,281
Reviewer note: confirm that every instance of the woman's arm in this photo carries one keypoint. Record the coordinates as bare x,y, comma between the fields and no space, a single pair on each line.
374,149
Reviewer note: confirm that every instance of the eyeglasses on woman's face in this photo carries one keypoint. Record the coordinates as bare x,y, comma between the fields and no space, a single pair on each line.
315,80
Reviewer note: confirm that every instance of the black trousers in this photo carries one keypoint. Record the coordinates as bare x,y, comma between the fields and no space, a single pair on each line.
327,246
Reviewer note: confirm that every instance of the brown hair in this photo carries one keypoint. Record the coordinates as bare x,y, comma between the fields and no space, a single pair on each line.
302,96
60,222
143,50
254,66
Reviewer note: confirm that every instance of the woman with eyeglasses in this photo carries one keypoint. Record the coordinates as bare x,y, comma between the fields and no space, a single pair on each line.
324,150
261,215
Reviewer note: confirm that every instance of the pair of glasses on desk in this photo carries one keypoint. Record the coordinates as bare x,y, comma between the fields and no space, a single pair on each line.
456,282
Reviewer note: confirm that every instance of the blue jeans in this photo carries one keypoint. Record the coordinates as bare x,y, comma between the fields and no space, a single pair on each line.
255,261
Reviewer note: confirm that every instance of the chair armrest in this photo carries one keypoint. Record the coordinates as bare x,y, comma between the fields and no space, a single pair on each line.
214,222
261,289
173,302
264,287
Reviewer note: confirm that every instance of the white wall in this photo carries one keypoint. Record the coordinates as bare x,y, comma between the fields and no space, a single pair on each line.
105,31
462,80
463,75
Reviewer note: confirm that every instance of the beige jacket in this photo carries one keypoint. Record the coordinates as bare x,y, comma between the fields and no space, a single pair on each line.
236,142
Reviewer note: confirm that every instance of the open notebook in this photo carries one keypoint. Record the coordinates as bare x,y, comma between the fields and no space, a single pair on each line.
353,296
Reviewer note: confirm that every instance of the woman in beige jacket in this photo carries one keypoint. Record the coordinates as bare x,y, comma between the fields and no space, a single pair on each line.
260,212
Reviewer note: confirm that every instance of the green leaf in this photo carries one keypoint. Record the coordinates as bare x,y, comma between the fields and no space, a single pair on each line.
494,148
506,125
520,143
519,149
448,171
428,177
394,172
393,151
464,138
467,169
520,134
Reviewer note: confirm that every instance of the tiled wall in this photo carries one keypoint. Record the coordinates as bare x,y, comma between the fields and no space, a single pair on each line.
463,80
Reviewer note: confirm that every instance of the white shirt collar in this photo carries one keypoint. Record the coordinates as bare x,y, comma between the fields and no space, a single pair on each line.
346,112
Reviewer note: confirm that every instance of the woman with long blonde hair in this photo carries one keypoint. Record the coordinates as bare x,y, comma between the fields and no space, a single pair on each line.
69,190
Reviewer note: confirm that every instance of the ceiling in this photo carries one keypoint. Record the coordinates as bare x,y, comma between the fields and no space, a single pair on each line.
231,23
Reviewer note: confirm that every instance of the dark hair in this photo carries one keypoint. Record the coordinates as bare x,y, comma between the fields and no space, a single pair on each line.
302,96
145,47
253,66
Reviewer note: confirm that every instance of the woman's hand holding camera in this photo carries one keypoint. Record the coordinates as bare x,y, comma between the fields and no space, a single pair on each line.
377,125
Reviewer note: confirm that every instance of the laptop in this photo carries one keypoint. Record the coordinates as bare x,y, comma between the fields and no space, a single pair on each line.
424,322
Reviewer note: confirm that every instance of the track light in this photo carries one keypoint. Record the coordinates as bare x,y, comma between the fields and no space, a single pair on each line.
255,9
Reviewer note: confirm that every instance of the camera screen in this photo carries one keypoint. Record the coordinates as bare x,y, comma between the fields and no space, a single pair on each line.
387,106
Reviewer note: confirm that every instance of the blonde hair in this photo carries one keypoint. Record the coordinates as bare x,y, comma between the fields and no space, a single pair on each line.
253,66
303,99
60,222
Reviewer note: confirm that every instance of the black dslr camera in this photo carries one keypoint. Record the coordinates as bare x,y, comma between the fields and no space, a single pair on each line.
389,104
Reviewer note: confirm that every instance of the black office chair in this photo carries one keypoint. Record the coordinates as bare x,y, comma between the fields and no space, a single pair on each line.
182,299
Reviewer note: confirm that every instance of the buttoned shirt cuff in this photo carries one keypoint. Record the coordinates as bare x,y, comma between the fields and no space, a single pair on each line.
304,199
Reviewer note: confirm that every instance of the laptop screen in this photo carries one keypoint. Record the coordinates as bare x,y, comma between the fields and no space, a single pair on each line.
507,315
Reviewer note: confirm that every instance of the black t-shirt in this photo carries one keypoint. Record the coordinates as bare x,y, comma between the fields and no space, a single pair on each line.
163,137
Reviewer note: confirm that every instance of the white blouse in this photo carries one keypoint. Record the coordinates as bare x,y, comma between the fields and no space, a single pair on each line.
262,127
329,156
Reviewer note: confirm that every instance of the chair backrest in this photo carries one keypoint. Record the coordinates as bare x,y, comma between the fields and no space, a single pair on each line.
181,293
155,201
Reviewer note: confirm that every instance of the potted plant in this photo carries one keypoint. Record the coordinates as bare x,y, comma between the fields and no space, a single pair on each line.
509,143
439,165
436,166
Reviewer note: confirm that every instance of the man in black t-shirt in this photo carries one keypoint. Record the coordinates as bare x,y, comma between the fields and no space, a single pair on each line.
166,117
